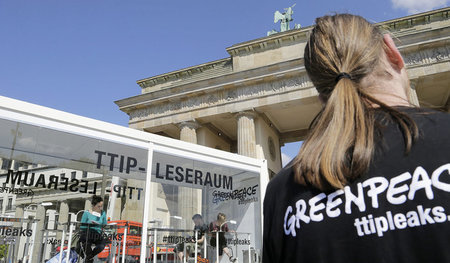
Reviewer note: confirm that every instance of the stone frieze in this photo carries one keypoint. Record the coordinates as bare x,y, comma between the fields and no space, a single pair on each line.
220,97
427,56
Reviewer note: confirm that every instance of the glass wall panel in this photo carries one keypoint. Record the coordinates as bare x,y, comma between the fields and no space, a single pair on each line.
47,179
214,199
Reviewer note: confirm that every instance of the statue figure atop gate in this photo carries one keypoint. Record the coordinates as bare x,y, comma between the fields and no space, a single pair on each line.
285,19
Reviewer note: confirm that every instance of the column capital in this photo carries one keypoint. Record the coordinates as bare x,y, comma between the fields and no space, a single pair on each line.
189,124
188,131
249,114
246,135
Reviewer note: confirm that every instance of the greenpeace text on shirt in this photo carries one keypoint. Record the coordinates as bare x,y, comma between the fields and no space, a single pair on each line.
397,191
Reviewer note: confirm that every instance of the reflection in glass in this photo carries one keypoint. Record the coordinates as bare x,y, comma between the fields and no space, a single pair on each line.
186,187
41,166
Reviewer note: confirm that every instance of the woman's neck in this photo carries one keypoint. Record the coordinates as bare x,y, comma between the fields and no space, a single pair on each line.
389,85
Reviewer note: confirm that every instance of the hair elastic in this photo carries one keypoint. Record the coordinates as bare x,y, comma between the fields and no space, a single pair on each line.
343,75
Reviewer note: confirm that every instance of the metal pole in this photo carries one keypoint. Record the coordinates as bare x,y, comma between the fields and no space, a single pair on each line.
249,249
204,245
149,260
87,237
13,249
147,203
235,253
9,251
26,240
25,249
16,240
62,246
154,246
184,249
32,242
45,244
124,242
69,243
166,252
113,254
217,246
196,245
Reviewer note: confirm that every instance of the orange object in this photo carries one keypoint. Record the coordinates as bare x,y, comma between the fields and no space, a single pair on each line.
133,245
59,248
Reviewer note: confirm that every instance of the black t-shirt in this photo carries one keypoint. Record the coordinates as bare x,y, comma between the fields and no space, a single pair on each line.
399,211
213,228
202,229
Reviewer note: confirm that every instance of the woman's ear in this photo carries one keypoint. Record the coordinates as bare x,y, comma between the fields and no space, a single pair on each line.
392,53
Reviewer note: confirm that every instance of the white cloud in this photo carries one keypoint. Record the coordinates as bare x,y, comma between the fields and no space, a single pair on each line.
417,6
285,159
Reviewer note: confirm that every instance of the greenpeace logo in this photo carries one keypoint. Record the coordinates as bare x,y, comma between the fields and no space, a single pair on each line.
396,191
244,195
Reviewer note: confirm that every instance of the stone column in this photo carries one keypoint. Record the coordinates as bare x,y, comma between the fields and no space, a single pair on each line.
134,207
188,131
19,212
188,201
246,135
114,209
63,218
87,205
413,94
39,234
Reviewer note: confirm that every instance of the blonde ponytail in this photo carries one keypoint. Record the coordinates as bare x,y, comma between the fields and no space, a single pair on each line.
342,50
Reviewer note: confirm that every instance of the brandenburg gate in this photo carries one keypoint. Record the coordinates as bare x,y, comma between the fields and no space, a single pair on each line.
260,97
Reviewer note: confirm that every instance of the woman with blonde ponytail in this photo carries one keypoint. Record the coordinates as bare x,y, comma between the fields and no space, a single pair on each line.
371,182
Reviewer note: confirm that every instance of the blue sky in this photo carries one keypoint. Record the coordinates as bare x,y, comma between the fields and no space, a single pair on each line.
80,56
